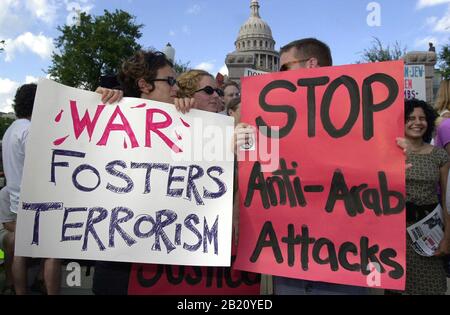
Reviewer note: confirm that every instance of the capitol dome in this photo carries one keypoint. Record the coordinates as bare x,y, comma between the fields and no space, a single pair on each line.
255,33
255,47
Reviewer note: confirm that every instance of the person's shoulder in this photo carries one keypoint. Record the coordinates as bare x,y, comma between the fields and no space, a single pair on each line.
23,122
21,125
444,126
18,130
440,152
435,149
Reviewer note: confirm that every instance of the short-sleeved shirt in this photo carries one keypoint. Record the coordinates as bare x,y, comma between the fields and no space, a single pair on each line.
443,134
422,179
13,153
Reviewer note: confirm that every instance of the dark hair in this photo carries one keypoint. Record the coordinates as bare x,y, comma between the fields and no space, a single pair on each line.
231,83
24,100
311,48
144,64
430,115
110,82
232,104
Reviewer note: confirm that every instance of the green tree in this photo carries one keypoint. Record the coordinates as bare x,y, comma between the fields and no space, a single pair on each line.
5,122
377,52
444,62
95,46
181,67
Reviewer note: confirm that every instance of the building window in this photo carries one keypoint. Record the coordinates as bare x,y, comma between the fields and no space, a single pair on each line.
243,44
267,44
254,43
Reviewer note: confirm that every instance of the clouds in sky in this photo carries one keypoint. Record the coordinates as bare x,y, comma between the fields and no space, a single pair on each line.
224,70
28,42
23,26
429,3
206,65
211,67
44,10
423,42
7,90
194,9
439,27
74,8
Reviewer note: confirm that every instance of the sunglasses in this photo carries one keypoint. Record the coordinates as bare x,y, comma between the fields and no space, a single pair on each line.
170,80
210,90
287,66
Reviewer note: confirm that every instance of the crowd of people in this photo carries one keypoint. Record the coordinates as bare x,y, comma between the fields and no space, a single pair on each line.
150,75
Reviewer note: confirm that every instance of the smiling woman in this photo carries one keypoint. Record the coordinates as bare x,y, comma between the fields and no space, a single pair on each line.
424,275
201,86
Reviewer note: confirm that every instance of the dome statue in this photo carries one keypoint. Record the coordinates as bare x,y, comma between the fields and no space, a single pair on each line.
255,46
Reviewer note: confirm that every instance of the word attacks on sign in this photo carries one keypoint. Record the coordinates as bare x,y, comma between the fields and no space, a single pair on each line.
325,252
284,186
162,225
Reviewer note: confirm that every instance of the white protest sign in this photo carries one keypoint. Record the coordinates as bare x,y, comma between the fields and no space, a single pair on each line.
252,72
135,182
415,82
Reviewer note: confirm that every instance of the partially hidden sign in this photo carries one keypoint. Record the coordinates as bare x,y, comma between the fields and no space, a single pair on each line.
415,84
148,279
322,195
136,181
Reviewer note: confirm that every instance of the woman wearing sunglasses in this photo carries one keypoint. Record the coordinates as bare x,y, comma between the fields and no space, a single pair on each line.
149,75
202,87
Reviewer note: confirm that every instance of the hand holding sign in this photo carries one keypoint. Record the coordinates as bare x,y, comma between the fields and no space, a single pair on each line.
109,95
243,137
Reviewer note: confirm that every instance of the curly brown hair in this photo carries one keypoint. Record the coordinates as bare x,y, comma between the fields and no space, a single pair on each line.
430,116
188,82
144,64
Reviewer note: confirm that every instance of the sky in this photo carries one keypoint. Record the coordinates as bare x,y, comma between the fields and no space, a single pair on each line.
203,32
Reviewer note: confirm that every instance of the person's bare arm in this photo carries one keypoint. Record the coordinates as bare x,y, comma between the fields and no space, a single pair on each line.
444,246
10,226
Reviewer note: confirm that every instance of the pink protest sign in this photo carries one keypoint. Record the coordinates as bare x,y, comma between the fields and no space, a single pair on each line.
329,204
